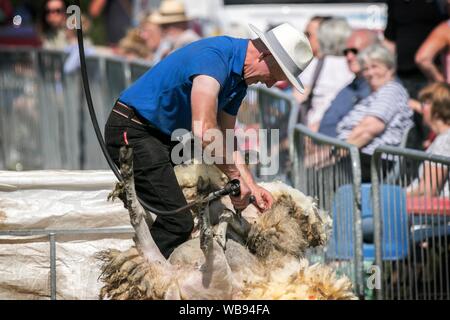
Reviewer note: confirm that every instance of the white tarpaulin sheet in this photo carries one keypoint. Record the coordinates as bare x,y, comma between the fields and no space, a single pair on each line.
56,200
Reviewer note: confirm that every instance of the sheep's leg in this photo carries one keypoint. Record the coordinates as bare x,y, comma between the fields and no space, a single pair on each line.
206,231
138,215
215,273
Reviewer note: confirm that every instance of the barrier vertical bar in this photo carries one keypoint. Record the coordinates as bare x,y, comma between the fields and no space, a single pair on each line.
377,218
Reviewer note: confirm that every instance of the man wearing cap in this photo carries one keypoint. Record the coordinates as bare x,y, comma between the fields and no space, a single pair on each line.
198,87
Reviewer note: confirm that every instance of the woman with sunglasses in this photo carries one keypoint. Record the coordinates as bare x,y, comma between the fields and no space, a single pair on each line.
54,24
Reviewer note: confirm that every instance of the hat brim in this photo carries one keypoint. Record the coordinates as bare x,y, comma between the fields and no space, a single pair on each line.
157,18
292,79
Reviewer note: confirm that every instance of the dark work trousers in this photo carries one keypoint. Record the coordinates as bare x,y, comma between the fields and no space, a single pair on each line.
154,178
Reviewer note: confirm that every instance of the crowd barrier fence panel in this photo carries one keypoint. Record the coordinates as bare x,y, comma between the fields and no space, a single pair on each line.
411,226
329,170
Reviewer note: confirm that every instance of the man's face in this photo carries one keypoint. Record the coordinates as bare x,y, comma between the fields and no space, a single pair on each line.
311,33
355,44
271,72
55,13
151,33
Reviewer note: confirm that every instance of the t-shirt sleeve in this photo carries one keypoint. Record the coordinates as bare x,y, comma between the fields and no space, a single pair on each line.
387,103
233,106
210,63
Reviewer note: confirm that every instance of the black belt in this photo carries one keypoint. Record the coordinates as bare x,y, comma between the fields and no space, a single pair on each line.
128,112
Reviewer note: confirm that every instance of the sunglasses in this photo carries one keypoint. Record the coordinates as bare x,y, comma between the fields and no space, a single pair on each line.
58,11
352,50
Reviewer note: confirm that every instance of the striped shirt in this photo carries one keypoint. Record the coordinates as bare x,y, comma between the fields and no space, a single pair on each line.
390,105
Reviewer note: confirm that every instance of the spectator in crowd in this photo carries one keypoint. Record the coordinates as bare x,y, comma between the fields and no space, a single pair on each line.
357,90
325,76
118,17
133,46
311,30
438,42
409,23
384,116
54,24
435,100
151,33
171,16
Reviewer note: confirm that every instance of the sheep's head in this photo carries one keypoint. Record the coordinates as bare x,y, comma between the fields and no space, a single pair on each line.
292,225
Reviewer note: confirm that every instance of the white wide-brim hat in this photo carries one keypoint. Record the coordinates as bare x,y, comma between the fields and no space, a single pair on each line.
290,48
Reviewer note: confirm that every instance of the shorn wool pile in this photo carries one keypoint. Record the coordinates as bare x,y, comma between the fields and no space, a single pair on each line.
229,256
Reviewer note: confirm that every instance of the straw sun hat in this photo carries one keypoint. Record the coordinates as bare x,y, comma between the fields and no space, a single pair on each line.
170,11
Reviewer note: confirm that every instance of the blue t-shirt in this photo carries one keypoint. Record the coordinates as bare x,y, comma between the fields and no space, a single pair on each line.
344,102
163,94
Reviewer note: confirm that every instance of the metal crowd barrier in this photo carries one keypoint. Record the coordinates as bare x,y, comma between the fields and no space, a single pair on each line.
44,119
329,170
411,218
52,238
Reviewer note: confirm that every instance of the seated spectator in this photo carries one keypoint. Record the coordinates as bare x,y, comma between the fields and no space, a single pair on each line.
325,76
171,17
435,99
151,33
437,43
54,25
311,31
133,46
384,116
357,90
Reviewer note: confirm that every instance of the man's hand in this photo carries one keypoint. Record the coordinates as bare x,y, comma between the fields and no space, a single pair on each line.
243,200
264,199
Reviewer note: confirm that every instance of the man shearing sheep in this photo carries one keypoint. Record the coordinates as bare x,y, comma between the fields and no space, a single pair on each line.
198,87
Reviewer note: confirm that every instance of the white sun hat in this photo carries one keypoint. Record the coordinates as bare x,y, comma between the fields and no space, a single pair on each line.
290,48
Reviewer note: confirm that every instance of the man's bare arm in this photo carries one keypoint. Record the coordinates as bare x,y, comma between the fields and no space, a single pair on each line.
264,199
204,99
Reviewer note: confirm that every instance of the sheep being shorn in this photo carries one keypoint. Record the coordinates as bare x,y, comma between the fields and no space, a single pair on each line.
256,258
